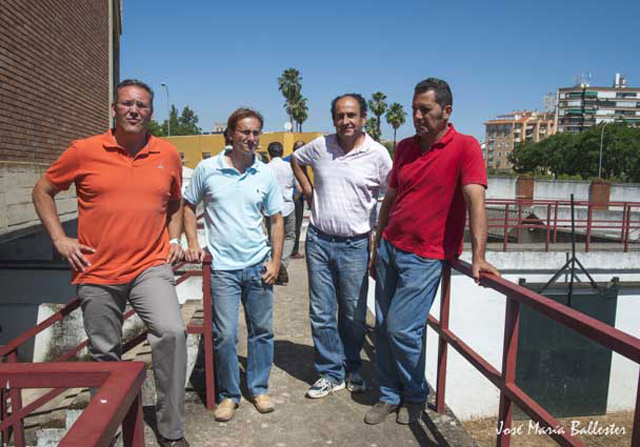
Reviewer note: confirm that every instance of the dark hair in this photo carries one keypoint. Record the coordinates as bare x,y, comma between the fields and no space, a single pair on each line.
275,149
356,96
440,88
134,83
298,143
227,137
240,114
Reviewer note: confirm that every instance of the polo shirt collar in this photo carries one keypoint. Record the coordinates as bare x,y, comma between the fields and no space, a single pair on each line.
223,166
149,148
442,142
366,144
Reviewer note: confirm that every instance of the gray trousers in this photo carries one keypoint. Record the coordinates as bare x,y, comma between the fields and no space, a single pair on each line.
289,236
153,296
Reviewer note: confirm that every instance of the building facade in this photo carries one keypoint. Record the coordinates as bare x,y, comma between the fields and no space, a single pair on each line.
583,106
59,63
506,132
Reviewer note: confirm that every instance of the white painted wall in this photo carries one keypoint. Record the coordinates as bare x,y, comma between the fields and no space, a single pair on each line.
501,188
477,317
625,192
561,189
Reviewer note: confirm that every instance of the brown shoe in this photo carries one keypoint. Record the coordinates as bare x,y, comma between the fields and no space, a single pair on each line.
297,256
263,403
225,410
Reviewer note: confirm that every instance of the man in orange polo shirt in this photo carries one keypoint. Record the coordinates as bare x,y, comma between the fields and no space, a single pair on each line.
129,221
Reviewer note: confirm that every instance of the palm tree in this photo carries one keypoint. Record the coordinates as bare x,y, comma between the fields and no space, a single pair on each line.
395,117
378,107
371,127
299,112
290,85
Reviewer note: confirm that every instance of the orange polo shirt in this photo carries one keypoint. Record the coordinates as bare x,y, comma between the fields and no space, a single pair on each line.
122,204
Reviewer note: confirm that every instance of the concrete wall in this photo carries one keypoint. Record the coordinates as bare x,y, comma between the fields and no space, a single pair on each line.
501,188
477,317
561,189
16,182
625,192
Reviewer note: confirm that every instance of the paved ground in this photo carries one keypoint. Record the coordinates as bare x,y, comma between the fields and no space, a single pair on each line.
300,422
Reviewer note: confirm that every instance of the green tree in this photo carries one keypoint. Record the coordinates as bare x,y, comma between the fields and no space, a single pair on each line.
371,127
155,129
378,107
290,85
396,117
300,112
188,122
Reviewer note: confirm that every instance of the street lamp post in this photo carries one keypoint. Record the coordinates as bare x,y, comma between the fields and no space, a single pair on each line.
166,90
601,140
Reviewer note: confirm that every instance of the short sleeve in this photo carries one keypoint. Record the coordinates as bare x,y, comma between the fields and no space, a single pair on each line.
307,154
473,170
195,191
63,172
273,203
384,170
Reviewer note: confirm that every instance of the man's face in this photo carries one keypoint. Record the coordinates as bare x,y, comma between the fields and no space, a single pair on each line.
347,118
246,136
133,110
297,145
429,118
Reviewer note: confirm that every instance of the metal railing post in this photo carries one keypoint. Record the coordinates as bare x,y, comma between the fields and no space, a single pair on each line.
4,413
207,309
16,404
505,243
555,224
627,225
589,223
132,425
445,298
509,358
547,240
519,223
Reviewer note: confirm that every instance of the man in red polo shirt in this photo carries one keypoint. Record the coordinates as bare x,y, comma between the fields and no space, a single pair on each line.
438,175
129,221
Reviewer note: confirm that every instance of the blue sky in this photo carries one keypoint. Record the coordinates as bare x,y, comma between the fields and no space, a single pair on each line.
498,56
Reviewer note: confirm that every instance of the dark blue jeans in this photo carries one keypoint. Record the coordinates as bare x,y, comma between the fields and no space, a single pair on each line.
228,289
337,269
406,285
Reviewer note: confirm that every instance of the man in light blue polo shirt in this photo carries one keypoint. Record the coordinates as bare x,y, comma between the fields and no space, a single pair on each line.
236,189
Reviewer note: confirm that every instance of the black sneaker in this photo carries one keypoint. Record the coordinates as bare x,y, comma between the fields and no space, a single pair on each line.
164,442
379,412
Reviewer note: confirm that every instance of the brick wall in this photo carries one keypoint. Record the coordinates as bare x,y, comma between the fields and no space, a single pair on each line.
54,76
54,88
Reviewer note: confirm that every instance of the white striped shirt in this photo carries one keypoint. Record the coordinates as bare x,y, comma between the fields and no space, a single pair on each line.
346,186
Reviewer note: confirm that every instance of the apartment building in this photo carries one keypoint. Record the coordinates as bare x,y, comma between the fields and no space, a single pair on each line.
506,132
583,106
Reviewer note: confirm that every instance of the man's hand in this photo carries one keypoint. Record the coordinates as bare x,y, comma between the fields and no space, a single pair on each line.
482,267
73,252
175,254
194,254
271,271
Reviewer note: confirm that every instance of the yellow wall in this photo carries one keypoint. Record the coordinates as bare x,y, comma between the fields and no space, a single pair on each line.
192,146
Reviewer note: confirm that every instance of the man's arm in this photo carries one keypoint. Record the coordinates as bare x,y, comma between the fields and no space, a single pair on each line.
474,198
194,253
277,239
69,248
383,217
174,228
301,176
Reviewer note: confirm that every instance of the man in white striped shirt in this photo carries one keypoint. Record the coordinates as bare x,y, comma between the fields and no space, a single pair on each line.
350,171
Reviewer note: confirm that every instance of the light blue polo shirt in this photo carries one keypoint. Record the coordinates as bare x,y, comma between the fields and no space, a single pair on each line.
233,210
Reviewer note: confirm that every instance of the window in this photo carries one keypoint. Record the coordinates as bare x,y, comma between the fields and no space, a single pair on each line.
206,155
181,156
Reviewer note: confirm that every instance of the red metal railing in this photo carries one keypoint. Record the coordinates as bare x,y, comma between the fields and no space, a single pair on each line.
614,339
616,229
118,399
9,354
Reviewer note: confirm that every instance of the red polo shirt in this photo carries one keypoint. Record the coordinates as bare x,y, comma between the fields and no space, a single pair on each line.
122,204
429,213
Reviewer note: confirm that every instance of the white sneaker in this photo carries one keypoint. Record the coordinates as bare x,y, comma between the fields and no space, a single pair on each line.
323,387
355,383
